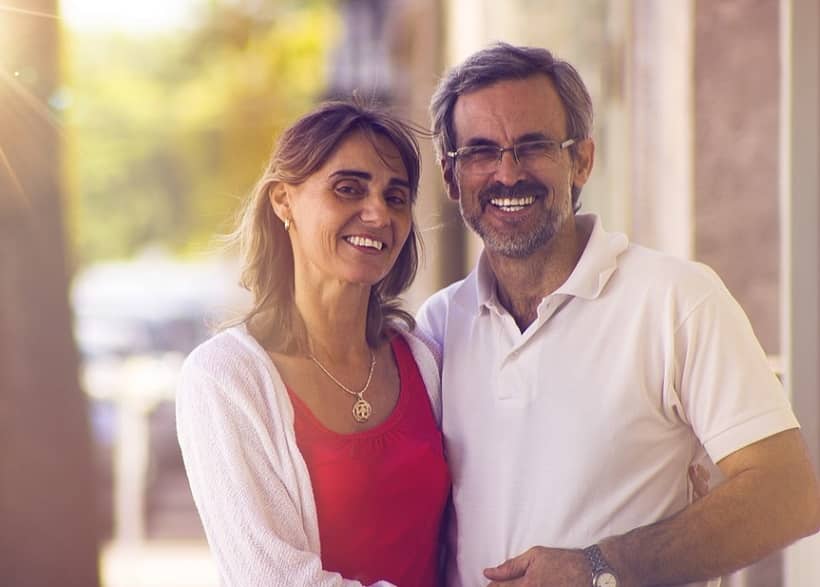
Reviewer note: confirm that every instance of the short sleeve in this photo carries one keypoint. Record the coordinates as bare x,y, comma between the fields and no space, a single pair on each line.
730,395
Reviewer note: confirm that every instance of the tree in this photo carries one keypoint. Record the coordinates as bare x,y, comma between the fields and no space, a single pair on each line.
47,529
167,131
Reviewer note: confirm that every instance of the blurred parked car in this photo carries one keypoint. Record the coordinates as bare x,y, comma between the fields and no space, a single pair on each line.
135,322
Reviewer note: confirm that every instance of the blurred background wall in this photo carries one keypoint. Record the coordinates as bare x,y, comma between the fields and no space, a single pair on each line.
129,133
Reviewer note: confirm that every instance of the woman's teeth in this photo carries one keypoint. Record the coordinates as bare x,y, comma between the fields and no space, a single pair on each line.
512,204
363,241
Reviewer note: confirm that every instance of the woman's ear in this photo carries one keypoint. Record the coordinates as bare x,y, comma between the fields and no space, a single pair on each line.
279,197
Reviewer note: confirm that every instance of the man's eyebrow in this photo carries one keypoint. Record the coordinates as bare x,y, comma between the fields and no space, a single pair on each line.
530,136
480,141
533,136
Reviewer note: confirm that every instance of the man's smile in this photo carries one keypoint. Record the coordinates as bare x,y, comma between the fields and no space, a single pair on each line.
512,204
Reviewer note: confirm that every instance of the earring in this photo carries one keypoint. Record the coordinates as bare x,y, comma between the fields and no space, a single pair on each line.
286,222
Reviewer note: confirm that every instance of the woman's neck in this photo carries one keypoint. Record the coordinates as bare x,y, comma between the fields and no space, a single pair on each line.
335,318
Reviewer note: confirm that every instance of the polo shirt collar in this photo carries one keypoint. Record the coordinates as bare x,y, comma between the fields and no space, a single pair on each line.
485,284
597,264
598,261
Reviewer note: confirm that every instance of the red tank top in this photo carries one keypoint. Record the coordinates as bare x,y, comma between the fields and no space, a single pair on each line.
380,494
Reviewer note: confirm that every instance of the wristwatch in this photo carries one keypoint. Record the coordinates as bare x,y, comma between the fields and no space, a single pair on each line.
602,574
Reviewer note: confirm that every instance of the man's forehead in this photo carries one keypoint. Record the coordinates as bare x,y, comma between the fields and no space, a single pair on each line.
510,107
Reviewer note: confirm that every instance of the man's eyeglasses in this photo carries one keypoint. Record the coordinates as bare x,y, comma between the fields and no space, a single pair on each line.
485,159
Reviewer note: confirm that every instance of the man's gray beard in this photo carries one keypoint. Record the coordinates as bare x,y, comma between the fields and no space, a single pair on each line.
517,245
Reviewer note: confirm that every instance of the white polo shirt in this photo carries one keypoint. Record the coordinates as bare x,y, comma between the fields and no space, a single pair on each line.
584,425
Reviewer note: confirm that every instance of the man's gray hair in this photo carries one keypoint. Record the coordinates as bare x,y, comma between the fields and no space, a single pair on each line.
503,61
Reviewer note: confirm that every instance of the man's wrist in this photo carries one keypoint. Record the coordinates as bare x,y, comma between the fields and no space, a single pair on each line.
603,574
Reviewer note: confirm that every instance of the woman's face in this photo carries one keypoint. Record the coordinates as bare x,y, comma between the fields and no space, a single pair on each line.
351,218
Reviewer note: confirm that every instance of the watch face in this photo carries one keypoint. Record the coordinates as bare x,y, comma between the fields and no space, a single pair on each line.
606,580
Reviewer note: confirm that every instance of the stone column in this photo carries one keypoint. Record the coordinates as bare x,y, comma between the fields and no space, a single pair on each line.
415,28
661,208
800,194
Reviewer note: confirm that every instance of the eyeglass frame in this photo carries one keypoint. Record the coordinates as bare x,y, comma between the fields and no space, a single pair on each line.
562,145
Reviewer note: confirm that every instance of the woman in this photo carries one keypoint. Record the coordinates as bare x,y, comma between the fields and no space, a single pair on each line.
310,430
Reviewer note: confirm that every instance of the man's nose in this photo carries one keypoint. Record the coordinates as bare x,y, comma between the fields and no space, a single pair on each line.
509,171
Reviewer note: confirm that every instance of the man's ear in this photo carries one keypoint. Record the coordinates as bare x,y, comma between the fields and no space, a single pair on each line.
279,198
450,183
582,163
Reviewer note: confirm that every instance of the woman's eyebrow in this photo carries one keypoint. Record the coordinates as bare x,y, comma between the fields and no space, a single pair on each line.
394,181
351,173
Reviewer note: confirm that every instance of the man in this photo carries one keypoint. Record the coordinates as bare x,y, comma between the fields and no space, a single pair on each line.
583,375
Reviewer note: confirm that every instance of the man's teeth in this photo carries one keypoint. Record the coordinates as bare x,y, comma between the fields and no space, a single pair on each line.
363,241
512,204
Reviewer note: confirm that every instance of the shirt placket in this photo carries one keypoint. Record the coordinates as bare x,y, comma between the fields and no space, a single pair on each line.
512,366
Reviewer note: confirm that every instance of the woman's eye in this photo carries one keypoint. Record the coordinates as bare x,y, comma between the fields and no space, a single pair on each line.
348,189
397,199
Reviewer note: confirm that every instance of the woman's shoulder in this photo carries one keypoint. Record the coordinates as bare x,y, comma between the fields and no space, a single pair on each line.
229,355
418,341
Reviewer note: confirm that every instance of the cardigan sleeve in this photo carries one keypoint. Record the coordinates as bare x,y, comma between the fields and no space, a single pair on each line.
237,473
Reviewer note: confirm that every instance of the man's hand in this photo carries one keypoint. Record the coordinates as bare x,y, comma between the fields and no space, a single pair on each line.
540,566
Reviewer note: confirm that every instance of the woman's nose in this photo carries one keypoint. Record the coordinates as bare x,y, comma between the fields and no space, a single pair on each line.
374,210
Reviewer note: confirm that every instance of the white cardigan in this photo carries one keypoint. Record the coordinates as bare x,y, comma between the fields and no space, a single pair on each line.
248,478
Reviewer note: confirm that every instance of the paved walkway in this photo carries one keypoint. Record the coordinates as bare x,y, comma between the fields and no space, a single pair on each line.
158,564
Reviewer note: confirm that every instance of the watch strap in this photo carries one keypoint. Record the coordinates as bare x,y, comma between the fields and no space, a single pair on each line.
600,566
596,559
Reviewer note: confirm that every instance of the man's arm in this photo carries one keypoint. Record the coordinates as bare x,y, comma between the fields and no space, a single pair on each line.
770,498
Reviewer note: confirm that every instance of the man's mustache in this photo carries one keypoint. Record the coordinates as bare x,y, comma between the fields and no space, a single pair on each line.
520,189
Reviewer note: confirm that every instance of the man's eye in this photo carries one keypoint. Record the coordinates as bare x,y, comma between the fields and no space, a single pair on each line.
481,153
534,149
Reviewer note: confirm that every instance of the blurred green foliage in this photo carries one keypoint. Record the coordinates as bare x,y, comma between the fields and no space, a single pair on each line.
166,133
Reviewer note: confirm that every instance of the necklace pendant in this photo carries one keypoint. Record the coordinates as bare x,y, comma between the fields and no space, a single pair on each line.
362,410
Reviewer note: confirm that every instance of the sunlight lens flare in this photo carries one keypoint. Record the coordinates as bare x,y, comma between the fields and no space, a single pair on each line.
144,17
6,169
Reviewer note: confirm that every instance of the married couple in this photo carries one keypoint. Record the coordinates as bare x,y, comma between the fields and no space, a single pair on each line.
535,424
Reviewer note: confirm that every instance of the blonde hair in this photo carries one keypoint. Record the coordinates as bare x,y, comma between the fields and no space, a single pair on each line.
264,246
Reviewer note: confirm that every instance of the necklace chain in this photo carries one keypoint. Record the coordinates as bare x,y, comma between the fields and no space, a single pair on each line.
359,393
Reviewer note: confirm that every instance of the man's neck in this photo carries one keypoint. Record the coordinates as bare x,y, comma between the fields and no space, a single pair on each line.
523,282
